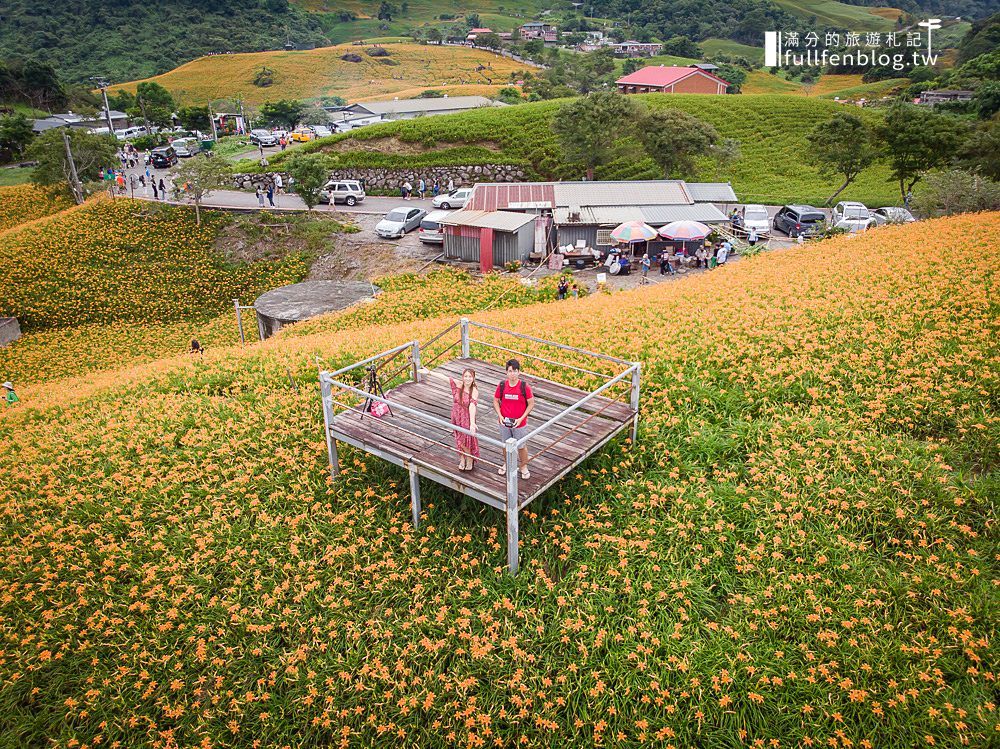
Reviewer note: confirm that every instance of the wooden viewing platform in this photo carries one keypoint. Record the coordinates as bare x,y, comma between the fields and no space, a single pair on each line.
566,426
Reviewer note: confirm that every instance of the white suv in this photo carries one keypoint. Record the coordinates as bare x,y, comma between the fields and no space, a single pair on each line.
852,216
456,199
347,191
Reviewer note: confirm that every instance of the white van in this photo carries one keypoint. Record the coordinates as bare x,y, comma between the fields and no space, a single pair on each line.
129,132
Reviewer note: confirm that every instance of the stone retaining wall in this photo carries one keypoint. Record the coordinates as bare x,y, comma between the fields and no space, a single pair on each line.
391,178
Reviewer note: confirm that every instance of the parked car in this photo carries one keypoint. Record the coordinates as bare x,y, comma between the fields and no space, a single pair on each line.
302,134
399,221
756,217
456,199
163,157
892,215
129,132
348,191
800,220
852,216
261,137
431,231
186,147
321,131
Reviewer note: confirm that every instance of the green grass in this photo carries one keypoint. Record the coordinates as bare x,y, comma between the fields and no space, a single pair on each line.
868,90
667,60
14,176
771,129
839,15
729,47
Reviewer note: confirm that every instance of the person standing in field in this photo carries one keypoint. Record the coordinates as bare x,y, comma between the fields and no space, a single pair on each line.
465,402
513,401
9,395
644,265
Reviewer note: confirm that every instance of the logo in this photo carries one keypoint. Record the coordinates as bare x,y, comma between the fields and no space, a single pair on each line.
896,49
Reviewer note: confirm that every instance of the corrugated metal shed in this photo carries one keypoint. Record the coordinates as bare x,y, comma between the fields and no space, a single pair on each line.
602,215
500,220
712,192
488,196
658,215
652,192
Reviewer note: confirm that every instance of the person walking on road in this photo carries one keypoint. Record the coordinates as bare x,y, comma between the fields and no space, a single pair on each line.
270,195
163,190
422,188
278,184
156,194
407,190
451,185
260,196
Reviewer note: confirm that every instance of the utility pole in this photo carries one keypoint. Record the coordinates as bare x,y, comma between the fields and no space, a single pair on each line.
74,179
211,118
102,83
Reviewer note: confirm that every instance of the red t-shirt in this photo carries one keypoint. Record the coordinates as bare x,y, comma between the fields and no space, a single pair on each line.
512,403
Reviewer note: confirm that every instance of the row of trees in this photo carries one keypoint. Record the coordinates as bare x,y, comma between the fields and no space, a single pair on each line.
590,128
911,140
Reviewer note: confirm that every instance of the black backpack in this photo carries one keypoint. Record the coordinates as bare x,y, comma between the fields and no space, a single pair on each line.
524,391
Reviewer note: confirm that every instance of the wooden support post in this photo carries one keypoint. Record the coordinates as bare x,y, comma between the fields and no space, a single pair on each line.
634,401
331,443
239,321
415,497
415,355
464,324
512,510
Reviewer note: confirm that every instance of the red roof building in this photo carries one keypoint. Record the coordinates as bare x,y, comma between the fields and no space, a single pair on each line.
671,80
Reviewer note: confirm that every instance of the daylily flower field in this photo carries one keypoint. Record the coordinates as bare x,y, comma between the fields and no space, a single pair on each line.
22,203
800,550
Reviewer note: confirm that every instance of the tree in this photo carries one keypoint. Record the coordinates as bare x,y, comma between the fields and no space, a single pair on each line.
916,140
987,100
725,155
199,177
310,174
732,74
509,95
674,139
843,145
472,21
682,46
434,35
631,65
981,152
15,133
956,191
385,11
315,116
285,112
587,128
195,118
154,104
490,41
90,154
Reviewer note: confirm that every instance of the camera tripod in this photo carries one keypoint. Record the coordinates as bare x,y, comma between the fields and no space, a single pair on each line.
374,387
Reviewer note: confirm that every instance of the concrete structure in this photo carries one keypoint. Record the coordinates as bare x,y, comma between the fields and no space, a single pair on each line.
539,30
404,109
671,80
491,238
636,49
473,33
10,331
300,301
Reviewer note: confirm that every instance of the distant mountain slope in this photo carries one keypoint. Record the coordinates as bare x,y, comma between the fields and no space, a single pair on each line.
126,39
321,72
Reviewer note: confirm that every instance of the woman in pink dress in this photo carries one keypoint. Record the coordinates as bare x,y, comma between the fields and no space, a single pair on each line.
465,395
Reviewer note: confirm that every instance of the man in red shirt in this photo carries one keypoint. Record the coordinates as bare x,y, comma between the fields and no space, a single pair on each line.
513,401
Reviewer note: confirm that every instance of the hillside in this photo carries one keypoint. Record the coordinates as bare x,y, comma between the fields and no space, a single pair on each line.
799,549
22,203
772,131
322,72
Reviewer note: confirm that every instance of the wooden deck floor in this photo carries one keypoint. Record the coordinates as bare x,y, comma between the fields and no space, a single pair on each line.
419,448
